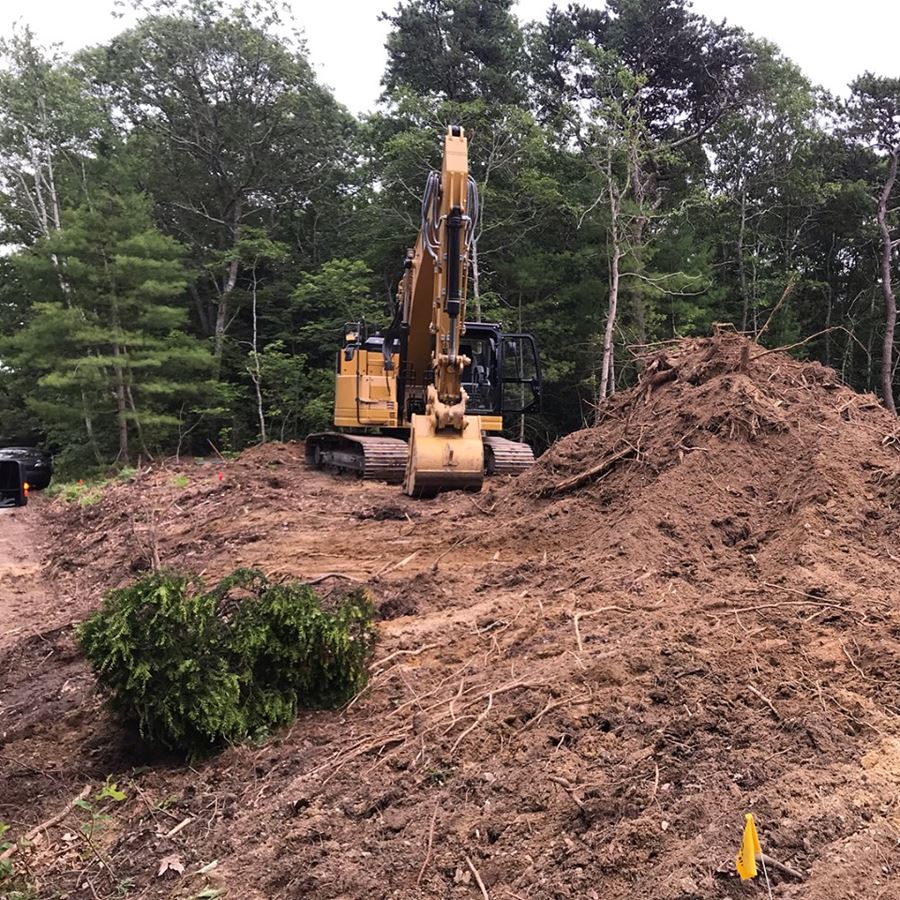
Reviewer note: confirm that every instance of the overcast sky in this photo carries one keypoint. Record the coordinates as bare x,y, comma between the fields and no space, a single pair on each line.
831,40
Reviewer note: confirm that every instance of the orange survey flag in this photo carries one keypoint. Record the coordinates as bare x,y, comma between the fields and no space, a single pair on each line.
746,858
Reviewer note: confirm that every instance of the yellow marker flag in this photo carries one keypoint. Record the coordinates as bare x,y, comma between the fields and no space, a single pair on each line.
746,858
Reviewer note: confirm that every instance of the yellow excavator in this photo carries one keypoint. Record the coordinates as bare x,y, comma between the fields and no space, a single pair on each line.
432,386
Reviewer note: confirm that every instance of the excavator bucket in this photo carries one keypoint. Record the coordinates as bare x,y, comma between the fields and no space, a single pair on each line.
445,459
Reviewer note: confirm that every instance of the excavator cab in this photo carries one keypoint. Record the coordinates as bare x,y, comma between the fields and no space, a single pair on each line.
481,376
521,375
503,376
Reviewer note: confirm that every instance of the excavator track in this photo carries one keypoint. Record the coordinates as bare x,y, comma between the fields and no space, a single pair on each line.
503,457
384,458
372,458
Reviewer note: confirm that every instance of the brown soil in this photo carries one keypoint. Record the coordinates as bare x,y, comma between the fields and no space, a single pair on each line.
20,563
585,676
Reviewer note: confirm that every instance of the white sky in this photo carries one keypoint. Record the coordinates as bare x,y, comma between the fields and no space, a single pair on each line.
831,40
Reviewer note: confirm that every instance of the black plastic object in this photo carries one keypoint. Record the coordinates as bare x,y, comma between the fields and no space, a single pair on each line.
12,484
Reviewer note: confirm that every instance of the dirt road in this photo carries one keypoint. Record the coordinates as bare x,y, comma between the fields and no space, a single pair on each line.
19,569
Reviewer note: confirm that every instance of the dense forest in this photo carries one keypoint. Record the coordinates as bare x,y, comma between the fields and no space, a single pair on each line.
189,217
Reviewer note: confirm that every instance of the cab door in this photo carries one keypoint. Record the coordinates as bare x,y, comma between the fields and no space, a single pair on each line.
520,374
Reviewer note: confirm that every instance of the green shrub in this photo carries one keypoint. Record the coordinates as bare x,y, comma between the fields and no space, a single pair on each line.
196,668
85,493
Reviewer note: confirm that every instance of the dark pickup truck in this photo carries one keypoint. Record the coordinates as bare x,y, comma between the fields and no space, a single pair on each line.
12,483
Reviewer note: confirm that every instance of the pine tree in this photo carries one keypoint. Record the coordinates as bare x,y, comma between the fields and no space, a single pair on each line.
109,350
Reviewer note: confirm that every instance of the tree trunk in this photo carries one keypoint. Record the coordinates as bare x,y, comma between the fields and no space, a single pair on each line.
89,428
755,284
611,388
890,301
256,371
870,343
121,404
201,308
606,368
222,312
829,298
639,186
476,281
137,420
742,268
521,356
607,364
227,288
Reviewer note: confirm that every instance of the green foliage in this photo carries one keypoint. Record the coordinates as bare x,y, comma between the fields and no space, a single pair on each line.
85,492
324,301
197,234
6,867
105,343
194,669
457,49
95,812
13,885
298,400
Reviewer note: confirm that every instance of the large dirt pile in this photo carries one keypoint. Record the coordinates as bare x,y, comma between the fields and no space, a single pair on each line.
728,460
586,676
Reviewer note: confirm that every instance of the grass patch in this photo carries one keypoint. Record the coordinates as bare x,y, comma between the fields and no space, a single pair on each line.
89,491
83,492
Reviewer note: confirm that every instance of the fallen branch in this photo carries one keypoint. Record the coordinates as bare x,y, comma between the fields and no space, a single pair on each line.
179,827
478,880
327,575
453,546
805,340
474,725
656,379
568,788
49,823
551,705
396,565
379,663
792,280
790,590
379,745
791,603
765,700
576,481
481,509
786,870
592,612
428,848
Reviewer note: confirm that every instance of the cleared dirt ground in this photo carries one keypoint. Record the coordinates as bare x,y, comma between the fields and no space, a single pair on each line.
20,569
584,677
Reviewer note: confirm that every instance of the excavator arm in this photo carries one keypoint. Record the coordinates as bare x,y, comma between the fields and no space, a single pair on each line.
445,450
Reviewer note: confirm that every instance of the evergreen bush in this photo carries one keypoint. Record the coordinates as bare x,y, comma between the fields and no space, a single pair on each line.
194,669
